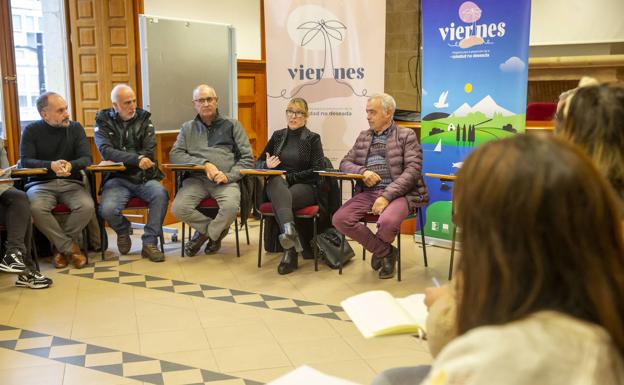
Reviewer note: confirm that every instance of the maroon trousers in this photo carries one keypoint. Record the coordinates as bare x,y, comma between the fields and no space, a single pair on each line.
347,221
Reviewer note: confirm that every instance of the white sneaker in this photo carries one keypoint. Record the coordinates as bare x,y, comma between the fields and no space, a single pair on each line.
12,262
33,280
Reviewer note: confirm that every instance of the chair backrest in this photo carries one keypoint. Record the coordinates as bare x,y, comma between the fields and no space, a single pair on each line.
541,111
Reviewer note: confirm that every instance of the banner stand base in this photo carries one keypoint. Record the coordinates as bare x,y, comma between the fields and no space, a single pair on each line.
430,241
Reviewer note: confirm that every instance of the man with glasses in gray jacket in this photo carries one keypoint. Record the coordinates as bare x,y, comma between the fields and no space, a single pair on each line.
221,146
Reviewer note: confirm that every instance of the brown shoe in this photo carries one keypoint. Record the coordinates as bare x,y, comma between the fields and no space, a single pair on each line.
153,253
59,260
124,243
77,258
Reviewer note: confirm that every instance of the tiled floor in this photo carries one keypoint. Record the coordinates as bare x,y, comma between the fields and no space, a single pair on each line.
215,320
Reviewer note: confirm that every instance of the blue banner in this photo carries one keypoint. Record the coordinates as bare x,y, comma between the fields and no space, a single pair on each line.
475,59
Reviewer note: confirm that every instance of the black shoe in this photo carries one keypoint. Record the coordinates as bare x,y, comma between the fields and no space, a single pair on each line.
376,262
214,246
192,246
289,262
124,243
33,279
12,262
289,237
387,264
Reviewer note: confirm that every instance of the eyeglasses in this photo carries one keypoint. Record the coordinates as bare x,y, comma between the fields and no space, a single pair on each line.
296,114
208,99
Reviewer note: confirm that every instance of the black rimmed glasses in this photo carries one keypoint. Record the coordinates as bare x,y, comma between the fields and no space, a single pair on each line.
208,100
296,114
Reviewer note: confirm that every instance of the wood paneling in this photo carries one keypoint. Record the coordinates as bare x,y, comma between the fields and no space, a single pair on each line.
252,102
102,41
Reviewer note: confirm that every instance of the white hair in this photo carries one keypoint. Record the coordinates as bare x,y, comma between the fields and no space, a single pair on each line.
196,90
385,100
116,90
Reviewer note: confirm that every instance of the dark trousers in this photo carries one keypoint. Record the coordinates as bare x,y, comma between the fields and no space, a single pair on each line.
287,199
14,205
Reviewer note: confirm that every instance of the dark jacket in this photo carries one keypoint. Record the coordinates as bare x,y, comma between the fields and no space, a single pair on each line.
310,152
404,159
41,144
119,144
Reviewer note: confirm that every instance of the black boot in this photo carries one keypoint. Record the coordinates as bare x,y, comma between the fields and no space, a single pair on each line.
289,262
387,264
289,237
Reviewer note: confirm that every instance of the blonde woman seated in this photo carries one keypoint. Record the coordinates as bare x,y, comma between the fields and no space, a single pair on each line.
299,152
541,296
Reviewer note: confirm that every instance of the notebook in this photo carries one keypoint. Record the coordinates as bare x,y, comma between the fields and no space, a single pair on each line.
305,375
377,313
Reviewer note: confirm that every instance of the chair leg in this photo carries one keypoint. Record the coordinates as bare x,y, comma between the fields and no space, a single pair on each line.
247,232
260,242
364,249
162,241
33,252
452,252
182,242
85,243
102,235
342,242
422,235
399,256
236,235
314,244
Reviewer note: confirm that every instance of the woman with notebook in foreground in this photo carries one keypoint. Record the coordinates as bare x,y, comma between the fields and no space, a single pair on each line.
541,299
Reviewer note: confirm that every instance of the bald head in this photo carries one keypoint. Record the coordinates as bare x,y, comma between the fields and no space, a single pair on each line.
205,102
124,101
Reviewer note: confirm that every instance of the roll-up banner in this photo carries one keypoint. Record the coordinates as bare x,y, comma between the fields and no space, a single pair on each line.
331,53
474,79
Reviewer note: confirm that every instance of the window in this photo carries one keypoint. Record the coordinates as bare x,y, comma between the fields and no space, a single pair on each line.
17,23
33,101
31,39
19,55
29,25
44,67
1,113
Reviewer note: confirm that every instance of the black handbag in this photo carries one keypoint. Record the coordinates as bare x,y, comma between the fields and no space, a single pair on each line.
328,243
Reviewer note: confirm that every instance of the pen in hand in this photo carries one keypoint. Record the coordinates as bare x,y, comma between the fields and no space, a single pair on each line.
435,282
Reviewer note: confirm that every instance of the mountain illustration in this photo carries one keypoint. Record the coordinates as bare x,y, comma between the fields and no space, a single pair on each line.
487,106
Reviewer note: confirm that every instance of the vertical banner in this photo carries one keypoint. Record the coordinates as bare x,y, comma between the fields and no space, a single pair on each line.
475,56
331,53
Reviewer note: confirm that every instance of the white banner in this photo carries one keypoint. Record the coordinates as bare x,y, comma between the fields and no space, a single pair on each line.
331,53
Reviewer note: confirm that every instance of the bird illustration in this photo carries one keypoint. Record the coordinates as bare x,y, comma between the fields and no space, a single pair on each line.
441,103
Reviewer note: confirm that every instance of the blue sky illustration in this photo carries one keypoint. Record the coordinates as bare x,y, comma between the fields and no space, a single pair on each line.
508,88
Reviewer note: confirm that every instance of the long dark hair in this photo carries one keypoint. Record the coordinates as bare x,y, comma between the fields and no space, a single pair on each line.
540,231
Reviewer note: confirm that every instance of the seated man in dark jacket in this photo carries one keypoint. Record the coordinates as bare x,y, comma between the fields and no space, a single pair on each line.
59,145
390,159
126,134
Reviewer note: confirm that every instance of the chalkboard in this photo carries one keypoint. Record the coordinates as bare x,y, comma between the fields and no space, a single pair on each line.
177,56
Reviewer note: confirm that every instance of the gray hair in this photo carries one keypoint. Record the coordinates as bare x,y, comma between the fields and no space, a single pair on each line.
196,90
116,89
42,100
385,100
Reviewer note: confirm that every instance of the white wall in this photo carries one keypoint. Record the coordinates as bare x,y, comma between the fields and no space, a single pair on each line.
244,15
558,27
556,22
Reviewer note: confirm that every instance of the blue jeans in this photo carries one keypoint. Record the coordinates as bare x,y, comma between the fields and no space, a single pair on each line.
116,194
